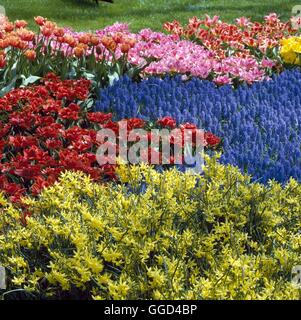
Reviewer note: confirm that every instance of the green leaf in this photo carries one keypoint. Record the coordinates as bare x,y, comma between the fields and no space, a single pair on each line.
8,88
30,80
112,77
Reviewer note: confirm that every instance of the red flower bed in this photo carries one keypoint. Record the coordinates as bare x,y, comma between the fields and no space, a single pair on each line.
45,130
244,38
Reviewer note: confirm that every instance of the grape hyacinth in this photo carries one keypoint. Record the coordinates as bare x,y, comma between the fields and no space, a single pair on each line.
260,124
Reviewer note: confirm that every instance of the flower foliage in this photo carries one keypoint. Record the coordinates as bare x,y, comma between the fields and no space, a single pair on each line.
260,125
156,236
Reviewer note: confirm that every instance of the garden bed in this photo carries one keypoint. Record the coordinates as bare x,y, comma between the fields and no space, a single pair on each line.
226,226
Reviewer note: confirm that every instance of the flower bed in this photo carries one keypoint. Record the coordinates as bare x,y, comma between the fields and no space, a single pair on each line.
260,125
74,227
114,51
157,236
243,38
46,129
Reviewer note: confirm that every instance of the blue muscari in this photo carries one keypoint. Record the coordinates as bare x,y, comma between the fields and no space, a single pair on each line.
260,124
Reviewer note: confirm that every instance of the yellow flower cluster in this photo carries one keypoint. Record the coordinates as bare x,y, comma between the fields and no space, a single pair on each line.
156,236
290,50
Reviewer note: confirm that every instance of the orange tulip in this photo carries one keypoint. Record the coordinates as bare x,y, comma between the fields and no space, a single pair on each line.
46,32
118,37
25,35
4,44
60,39
13,41
109,43
20,24
125,48
40,20
22,45
30,54
59,32
70,41
94,41
131,42
85,38
79,51
50,25
8,27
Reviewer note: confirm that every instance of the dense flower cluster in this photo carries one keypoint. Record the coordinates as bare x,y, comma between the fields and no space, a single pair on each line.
243,38
178,56
118,45
16,35
260,125
188,58
43,132
291,50
26,56
150,232
210,236
46,129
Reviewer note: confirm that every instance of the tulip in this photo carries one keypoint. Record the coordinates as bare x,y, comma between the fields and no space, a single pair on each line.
22,45
30,54
109,43
125,47
20,24
94,41
47,32
8,27
79,51
13,41
59,32
99,50
50,25
4,44
70,40
40,20
85,38
25,35
118,37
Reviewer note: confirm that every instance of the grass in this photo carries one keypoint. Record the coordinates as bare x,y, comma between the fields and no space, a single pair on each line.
85,15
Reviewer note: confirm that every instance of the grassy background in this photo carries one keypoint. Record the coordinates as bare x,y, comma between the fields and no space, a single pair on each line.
85,15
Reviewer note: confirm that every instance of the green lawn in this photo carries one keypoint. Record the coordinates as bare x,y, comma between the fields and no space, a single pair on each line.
85,15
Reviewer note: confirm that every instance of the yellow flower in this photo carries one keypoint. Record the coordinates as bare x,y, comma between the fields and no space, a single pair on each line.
156,276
